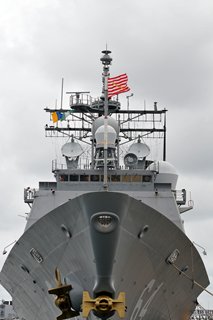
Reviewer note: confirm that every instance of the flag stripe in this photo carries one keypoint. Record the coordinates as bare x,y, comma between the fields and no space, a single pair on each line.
121,76
116,88
118,91
117,83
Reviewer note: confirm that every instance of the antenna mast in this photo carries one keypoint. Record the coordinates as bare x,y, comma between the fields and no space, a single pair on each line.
106,61
62,92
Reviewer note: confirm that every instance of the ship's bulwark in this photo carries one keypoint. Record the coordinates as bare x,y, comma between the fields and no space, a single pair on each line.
136,265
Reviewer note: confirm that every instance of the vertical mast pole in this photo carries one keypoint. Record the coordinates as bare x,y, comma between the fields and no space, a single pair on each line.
164,138
105,126
106,61
62,92
118,147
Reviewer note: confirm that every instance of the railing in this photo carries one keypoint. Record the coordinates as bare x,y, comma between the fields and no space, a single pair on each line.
202,314
80,99
180,196
29,195
83,163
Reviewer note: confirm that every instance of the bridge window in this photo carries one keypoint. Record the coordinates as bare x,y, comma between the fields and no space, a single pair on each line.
74,177
136,178
95,178
63,177
115,178
102,178
84,177
147,178
126,178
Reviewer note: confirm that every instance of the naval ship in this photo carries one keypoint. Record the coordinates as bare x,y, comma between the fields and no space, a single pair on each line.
105,239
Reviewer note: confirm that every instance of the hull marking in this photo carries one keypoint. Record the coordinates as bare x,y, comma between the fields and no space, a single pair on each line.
141,308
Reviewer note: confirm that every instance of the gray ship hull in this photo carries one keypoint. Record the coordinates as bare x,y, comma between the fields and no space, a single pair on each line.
130,258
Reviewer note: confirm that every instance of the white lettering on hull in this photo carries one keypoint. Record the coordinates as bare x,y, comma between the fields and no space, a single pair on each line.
141,308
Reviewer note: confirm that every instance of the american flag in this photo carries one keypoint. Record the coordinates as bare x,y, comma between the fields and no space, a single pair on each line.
117,85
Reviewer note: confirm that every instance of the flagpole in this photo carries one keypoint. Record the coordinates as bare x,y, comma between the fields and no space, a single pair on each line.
106,61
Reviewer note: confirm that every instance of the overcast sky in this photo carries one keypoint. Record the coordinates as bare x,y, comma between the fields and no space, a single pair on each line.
165,47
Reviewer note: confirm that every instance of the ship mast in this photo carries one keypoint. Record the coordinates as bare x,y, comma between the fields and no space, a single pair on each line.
77,121
106,61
